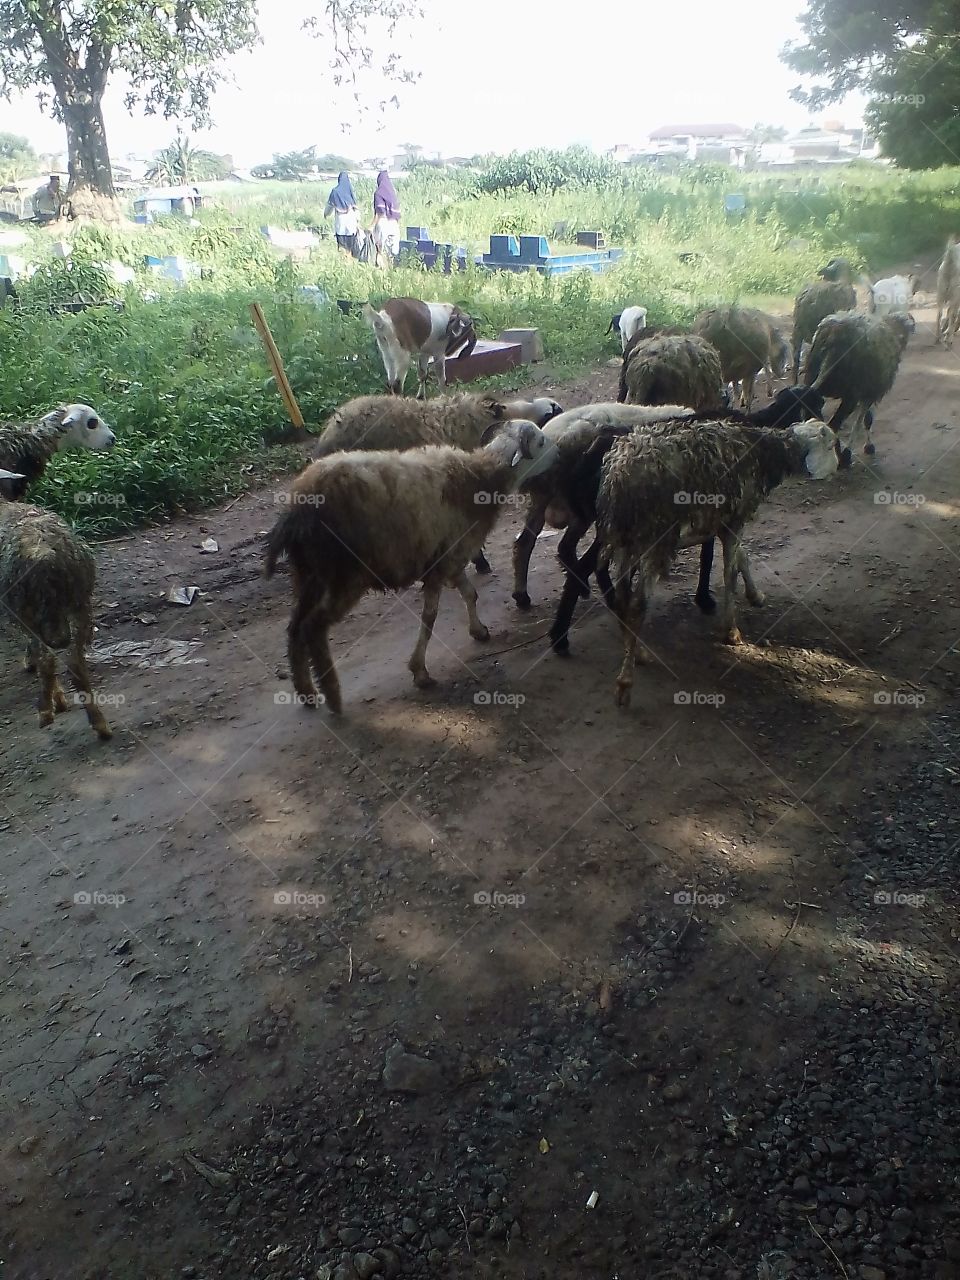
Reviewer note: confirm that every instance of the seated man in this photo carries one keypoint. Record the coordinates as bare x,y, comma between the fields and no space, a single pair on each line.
48,201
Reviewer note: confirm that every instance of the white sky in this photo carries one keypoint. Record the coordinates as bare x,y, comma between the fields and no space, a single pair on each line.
505,74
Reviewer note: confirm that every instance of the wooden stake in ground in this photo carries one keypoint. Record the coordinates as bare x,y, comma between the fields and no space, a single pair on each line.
276,364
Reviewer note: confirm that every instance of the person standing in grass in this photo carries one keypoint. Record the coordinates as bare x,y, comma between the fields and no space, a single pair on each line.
342,203
386,217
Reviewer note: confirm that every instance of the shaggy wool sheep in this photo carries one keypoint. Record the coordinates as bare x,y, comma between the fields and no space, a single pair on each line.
671,370
854,358
360,522
572,432
47,577
747,342
662,488
577,487
833,292
391,422
26,448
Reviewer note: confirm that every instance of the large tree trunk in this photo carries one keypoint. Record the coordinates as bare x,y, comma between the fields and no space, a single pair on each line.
90,193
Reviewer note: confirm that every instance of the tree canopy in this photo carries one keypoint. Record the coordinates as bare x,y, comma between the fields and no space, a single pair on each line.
903,54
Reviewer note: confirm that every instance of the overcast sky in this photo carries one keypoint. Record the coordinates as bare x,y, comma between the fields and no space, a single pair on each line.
505,74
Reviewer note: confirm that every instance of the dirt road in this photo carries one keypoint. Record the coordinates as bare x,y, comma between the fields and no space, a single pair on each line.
710,974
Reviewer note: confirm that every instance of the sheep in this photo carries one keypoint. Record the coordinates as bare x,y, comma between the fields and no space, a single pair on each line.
385,422
408,329
26,448
674,485
892,293
671,370
577,494
47,577
572,432
747,342
948,294
854,358
630,321
833,292
360,522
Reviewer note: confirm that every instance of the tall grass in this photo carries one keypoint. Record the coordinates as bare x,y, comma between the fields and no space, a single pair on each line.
184,380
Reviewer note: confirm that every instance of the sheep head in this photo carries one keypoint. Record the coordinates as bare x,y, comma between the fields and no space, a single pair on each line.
460,334
903,325
80,427
13,484
820,448
524,445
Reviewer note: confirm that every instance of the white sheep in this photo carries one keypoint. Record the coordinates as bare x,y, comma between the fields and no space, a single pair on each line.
359,522
26,448
892,293
948,294
628,323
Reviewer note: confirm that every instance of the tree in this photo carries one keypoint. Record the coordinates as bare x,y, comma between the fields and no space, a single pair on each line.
17,157
767,133
180,163
172,52
288,166
903,54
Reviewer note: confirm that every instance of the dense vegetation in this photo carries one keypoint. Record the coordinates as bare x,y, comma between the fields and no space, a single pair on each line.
181,375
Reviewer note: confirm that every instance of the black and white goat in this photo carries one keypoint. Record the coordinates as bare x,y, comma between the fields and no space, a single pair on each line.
407,329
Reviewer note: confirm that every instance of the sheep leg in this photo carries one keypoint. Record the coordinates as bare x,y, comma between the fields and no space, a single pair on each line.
47,671
746,392
468,593
298,648
703,599
31,655
567,555
578,574
731,567
844,453
80,679
754,594
481,563
869,447
322,661
797,348
423,361
523,549
633,607
417,664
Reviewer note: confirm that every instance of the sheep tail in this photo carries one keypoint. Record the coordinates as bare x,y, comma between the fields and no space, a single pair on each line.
282,541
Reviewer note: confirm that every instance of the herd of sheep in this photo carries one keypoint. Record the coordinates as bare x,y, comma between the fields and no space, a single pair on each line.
408,491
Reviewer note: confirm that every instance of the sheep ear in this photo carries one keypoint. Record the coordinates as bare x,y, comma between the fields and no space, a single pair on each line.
11,475
56,418
489,433
517,458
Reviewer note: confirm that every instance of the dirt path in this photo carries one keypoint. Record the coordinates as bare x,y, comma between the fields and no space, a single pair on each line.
216,926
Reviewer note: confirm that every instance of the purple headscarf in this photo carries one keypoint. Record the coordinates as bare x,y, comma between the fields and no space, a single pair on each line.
385,201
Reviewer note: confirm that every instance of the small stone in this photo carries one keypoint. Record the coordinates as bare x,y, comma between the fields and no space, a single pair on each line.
409,1228
233,1208
28,1144
201,1052
497,1228
366,1265
350,1235
674,1092
801,1186
872,1273
407,1073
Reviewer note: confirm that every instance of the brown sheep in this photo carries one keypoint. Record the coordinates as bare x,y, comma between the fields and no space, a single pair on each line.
678,369
833,292
747,342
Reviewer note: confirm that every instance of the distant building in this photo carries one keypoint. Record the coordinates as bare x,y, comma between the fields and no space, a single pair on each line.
832,144
724,142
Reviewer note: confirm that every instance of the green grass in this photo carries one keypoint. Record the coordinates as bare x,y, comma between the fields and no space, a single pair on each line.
185,382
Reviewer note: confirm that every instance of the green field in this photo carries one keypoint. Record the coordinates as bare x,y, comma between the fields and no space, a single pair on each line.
183,379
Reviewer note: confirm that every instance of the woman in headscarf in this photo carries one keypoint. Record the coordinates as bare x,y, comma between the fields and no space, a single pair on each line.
342,203
386,216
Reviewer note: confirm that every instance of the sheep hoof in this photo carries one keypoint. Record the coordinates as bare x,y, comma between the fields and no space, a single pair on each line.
523,601
870,449
482,633
482,565
423,680
706,603
733,636
560,645
758,600
104,733
622,697
46,719
846,458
